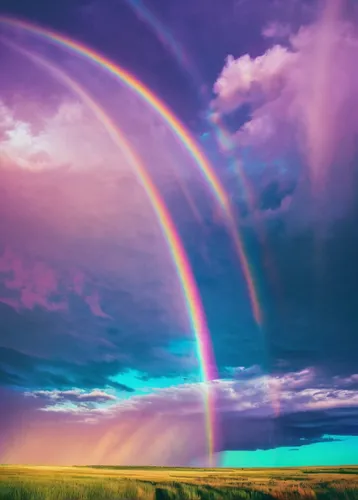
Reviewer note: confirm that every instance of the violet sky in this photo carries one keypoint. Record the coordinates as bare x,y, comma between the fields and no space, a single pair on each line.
96,354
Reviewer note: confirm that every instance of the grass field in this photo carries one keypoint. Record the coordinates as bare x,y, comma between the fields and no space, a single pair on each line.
130,483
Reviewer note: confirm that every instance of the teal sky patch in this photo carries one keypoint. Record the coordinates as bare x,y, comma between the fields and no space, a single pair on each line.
342,451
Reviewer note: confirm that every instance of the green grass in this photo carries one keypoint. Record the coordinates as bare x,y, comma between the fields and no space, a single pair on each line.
162,483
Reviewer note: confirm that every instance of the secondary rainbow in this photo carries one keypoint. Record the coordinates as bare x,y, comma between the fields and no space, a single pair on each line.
166,37
191,293
175,125
177,50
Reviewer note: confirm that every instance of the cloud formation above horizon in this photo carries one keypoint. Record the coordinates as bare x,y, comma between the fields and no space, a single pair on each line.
112,431
96,349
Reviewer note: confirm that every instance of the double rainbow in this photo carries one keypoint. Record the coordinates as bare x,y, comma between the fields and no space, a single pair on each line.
186,278
185,275
173,123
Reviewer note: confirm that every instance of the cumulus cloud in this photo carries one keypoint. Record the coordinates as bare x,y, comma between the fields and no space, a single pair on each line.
55,144
247,80
303,97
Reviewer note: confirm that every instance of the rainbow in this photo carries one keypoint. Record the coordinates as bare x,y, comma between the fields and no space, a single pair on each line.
177,50
139,88
175,125
186,278
222,137
225,144
164,36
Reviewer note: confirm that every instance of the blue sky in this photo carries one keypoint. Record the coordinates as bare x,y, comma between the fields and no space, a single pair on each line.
342,450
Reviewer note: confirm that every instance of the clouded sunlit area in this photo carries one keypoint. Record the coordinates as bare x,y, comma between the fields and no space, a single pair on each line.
178,233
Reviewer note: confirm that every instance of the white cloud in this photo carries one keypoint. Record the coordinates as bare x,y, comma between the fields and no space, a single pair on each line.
276,30
248,79
69,137
251,395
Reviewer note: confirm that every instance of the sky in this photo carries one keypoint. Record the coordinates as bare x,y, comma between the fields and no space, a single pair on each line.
179,287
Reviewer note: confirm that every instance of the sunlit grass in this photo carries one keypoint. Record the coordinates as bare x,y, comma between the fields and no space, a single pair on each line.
111,483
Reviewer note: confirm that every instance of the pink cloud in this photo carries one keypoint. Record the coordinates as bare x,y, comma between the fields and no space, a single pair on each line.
36,284
304,98
68,183
13,303
248,80
93,301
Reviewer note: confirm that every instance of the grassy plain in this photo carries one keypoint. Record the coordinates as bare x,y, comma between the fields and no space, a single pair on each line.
149,483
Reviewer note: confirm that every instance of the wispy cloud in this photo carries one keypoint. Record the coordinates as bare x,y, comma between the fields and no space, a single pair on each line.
73,396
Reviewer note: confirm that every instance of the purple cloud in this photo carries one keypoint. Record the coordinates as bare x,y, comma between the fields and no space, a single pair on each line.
303,97
99,253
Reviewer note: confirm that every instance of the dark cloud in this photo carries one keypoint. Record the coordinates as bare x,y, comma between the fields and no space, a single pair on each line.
304,210
32,372
317,312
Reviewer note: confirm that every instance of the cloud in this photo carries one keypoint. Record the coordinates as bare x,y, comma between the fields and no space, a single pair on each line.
350,382
117,431
73,396
296,104
86,276
37,284
276,30
248,80
37,371
55,144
